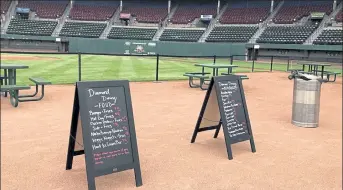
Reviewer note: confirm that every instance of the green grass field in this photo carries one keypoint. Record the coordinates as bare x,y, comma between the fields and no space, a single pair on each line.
63,69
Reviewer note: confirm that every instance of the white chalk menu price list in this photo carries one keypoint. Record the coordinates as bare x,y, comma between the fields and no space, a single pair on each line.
109,127
234,120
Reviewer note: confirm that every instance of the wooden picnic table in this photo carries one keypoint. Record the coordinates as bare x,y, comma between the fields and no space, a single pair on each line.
10,73
216,67
313,67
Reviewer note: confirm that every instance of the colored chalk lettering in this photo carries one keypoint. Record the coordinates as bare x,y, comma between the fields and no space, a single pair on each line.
103,112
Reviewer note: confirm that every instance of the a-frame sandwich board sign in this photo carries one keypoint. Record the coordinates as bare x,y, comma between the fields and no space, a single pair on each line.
225,106
102,128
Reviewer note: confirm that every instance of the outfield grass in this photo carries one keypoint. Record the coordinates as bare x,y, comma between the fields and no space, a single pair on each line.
63,69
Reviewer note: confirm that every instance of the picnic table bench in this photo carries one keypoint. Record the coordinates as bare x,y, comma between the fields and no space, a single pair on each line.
13,90
38,82
200,75
329,73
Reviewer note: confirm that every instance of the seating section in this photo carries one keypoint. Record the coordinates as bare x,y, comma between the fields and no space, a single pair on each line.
92,11
232,34
330,37
31,27
286,34
187,13
132,33
339,16
146,13
5,4
45,9
82,29
181,35
293,11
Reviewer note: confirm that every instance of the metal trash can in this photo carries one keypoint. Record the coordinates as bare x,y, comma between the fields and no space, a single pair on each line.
306,100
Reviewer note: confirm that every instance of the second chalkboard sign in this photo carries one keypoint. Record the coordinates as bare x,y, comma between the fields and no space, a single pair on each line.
225,105
102,128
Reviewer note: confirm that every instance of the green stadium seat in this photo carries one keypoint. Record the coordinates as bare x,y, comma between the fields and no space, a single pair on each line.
83,29
185,35
330,37
286,34
132,33
231,34
31,27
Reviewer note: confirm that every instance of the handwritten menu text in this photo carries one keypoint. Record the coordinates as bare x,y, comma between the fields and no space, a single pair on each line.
109,131
233,110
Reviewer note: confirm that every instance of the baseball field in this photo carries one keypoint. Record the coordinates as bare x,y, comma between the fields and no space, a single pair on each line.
63,69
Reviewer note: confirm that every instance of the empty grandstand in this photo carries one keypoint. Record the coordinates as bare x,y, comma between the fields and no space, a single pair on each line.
330,37
31,27
286,34
92,10
146,13
45,9
184,35
187,13
246,13
132,33
232,33
231,21
4,6
293,11
339,16
82,29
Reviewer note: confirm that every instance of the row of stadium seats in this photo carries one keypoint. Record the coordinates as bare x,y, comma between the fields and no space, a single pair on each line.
144,14
232,34
286,34
132,33
187,14
251,12
272,34
293,11
330,37
92,12
244,15
5,4
31,27
181,35
339,16
85,30
45,9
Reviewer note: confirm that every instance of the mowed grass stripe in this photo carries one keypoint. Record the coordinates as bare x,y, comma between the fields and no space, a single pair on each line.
145,69
62,69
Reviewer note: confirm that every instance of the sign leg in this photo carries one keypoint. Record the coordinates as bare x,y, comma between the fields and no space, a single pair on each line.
138,177
194,135
91,182
70,154
252,144
217,130
229,151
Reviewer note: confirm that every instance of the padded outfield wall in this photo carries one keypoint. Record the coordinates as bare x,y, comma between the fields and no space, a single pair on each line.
109,46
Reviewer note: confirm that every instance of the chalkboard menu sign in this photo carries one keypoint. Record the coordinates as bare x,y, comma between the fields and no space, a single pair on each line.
225,106
103,114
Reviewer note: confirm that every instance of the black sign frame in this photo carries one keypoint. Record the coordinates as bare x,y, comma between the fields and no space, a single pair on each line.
79,109
228,141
